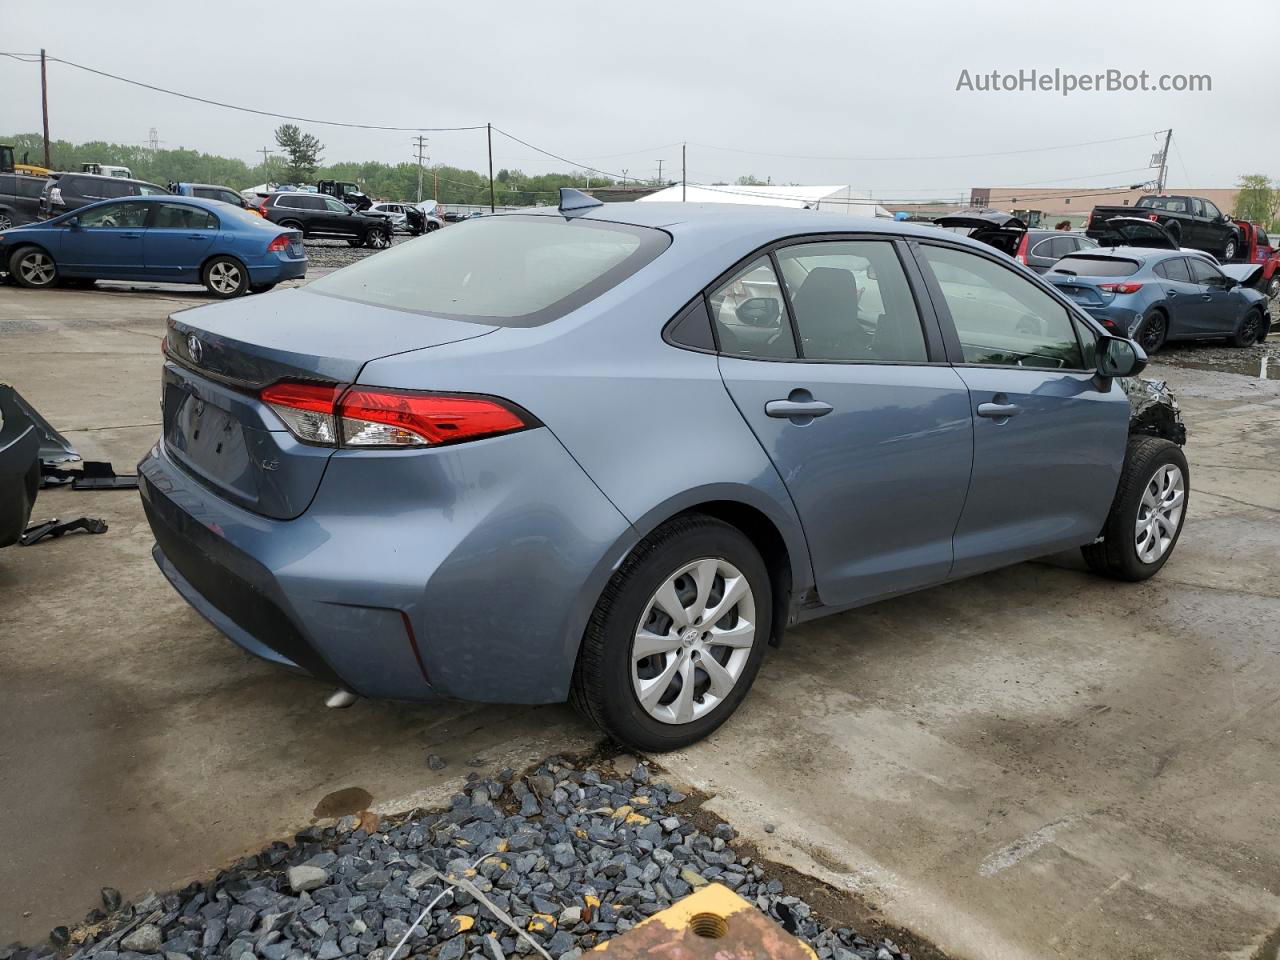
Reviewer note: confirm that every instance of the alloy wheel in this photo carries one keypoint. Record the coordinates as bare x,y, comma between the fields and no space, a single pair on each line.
1229,252
224,277
1159,513
379,240
36,268
1273,289
5,221
693,641
1153,333
1250,327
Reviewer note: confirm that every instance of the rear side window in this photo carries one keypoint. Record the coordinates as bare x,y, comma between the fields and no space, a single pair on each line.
151,190
31,187
1175,269
852,302
750,314
514,271
177,216
1092,266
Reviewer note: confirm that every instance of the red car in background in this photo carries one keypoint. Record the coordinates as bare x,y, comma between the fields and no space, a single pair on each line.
1256,248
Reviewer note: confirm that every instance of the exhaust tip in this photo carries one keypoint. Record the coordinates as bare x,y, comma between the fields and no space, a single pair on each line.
340,699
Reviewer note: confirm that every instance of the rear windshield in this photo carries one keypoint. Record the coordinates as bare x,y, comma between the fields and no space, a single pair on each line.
1096,266
514,271
1172,204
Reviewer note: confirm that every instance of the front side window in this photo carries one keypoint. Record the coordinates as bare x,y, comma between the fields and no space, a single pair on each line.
1001,317
510,270
128,216
1202,272
176,216
750,314
1210,211
852,302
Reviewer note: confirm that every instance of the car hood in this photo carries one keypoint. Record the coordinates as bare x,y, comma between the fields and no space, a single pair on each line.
981,218
1246,273
1133,232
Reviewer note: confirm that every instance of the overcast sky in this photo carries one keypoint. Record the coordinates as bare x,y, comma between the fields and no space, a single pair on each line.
620,86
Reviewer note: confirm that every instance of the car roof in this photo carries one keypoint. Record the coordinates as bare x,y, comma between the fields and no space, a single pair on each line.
714,224
211,205
99,176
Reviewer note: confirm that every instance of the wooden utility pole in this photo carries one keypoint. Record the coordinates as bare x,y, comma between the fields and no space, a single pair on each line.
1164,160
659,171
44,106
489,130
435,194
684,169
265,151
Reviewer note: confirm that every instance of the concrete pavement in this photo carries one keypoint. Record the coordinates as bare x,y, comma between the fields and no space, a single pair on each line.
1031,764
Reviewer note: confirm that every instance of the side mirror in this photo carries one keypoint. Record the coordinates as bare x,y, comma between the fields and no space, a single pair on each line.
759,312
1120,357
74,223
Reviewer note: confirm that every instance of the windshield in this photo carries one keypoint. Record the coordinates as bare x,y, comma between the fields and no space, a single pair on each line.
1096,266
516,271
1172,204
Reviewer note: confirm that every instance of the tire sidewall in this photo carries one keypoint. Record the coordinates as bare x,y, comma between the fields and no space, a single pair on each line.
377,231
16,276
1164,335
621,705
244,278
1239,339
1127,512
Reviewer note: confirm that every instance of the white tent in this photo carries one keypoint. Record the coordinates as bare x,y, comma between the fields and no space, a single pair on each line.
829,199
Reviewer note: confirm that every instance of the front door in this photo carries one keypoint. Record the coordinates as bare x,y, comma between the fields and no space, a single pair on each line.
338,218
1049,437
107,240
177,240
868,427
1216,305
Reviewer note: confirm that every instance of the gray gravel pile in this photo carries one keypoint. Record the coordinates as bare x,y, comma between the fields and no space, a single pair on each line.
331,254
577,857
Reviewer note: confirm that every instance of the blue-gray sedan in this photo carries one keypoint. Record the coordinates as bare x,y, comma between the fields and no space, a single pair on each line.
609,453
1156,296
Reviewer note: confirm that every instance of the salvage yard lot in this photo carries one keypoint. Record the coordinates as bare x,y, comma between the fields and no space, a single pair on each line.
1035,763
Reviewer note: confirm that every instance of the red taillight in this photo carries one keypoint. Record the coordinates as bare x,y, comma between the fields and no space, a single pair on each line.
279,245
1022,249
364,417
1153,216
1120,287
262,209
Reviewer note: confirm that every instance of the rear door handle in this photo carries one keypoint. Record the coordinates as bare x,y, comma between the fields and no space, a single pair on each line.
784,409
998,411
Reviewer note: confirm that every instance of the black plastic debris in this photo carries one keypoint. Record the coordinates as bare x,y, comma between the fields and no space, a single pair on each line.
52,529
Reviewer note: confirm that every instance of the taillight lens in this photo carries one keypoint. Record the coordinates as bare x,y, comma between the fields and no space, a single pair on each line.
262,209
1022,249
367,417
279,245
1153,216
1120,287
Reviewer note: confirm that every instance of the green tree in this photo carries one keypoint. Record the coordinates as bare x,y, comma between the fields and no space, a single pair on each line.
1258,200
749,181
303,150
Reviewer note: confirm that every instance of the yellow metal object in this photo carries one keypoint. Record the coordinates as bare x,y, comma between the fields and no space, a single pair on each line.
31,169
713,922
464,922
541,922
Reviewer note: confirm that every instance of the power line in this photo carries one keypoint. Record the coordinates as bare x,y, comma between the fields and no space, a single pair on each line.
950,156
232,106
583,166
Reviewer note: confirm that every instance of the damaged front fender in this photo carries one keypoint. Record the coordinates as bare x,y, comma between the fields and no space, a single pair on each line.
1153,409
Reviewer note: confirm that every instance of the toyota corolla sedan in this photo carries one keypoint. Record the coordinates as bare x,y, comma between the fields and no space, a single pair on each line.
610,452
165,239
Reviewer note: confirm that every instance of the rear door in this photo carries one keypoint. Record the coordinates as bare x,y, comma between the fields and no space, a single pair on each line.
1181,295
1048,440
178,238
840,374
107,240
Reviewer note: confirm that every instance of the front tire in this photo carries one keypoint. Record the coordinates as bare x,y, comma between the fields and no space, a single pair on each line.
1249,330
1147,514
378,239
225,277
655,672
33,268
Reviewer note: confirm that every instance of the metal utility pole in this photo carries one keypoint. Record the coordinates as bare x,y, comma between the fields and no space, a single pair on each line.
684,169
659,171
44,106
489,130
1164,160
421,141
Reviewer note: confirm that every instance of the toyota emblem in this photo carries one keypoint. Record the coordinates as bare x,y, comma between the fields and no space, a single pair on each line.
194,348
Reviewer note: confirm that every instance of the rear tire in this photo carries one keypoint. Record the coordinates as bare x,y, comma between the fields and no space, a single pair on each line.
1229,250
1147,513
33,268
1153,333
1249,329
292,225
697,560
225,277
6,221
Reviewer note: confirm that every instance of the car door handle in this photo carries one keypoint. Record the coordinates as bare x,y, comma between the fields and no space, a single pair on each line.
1170,293
130,236
998,411
195,236
785,409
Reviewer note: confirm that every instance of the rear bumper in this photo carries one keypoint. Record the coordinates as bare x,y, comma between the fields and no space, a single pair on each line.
277,272
464,572
1122,321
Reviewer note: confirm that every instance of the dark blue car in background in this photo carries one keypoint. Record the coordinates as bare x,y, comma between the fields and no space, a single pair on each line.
1155,296
167,239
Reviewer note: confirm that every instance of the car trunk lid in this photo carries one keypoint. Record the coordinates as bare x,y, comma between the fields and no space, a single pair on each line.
219,431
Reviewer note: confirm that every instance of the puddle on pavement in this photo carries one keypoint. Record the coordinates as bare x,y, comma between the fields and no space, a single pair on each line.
1259,367
343,802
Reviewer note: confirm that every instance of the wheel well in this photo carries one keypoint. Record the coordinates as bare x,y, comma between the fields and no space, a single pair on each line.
766,538
215,256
